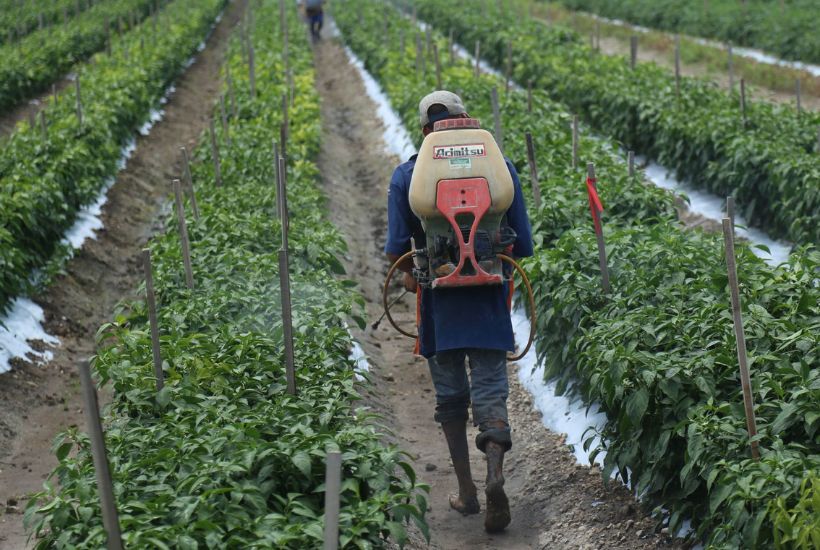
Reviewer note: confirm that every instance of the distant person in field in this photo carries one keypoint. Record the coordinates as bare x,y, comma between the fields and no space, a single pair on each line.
315,16
460,327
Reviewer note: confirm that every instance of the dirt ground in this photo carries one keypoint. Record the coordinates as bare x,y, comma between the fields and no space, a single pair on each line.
555,503
40,401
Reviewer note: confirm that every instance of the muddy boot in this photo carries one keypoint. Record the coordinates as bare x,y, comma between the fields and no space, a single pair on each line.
466,501
498,506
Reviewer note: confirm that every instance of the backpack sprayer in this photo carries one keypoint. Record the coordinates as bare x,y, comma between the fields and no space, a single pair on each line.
461,190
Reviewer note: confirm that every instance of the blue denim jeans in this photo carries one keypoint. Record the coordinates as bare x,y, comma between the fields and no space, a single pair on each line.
486,388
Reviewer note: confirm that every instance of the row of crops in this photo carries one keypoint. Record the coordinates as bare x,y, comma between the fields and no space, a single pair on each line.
20,17
45,178
658,354
767,161
32,64
788,29
223,456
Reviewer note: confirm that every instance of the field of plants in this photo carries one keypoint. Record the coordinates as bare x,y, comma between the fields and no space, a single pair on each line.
767,161
32,63
659,353
785,28
225,456
45,177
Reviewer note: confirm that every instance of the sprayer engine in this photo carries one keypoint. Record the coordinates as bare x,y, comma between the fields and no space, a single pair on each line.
460,190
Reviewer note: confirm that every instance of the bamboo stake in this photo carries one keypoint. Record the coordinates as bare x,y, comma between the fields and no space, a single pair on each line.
189,179
536,186
730,210
740,336
633,51
451,48
499,132
333,486
630,160
183,235
599,236
797,95
101,467
152,318
575,139
215,154
731,69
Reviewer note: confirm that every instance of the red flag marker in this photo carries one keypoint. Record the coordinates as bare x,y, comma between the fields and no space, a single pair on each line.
595,206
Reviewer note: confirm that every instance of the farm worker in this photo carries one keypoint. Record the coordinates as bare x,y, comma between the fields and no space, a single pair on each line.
471,323
315,16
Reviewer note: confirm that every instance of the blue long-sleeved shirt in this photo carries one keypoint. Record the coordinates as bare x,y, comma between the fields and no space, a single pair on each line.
455,318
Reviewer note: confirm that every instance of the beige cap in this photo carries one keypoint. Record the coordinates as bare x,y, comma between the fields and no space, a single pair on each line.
449,100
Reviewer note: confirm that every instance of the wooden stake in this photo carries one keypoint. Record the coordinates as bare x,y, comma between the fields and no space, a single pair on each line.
797,95
730,210
284,129
183,235
102,469
438,66
599,235
419,54
223,115
252,70
630,161
44,125
740,336
499,133
451,48
529,96
79,100
333,486
508,68
215,154
575,141
284,283
597,35
677,66
743,99
633,51
189,179
477,58
152,318
231,93
731,69
536,186
428,41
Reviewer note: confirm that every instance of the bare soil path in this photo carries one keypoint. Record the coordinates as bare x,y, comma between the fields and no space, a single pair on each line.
555,503
37,402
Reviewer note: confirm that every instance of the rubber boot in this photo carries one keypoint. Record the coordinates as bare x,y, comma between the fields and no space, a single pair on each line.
466,501
498,506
